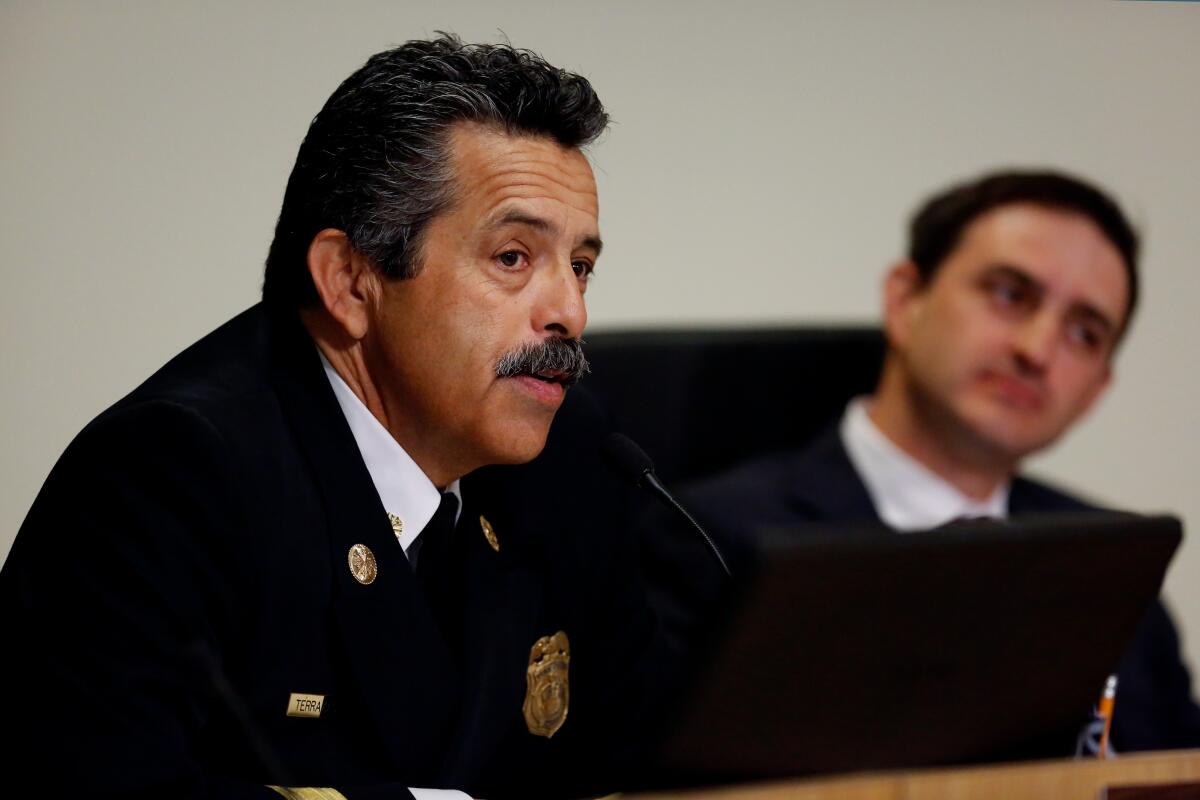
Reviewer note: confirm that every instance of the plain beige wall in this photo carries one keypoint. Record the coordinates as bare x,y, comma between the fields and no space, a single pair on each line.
763,159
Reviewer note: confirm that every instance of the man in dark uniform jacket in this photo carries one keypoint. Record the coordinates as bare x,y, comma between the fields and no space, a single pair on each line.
1001,327
260,574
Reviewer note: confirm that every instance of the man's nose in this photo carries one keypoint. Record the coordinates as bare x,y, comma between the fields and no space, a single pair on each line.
560,308
1035,341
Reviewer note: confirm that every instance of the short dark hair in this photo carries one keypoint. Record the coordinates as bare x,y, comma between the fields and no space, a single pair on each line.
375,162
938,225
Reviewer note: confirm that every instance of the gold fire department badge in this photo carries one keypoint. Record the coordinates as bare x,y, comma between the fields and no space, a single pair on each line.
547,693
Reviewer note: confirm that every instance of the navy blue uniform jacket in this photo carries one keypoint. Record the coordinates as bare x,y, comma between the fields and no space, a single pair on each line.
184,570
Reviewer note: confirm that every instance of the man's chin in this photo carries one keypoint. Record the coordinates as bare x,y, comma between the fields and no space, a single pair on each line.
522,443
1011,442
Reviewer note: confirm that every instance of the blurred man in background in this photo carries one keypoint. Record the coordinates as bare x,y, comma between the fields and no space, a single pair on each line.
1001,325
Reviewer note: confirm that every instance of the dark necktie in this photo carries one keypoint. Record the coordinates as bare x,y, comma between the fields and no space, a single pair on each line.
434,562
437,531
970,519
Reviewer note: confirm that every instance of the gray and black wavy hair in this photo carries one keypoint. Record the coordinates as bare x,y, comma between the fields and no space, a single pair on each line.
375,162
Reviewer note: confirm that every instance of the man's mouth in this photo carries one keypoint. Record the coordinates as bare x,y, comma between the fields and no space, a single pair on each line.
550,376
546,388
1017,392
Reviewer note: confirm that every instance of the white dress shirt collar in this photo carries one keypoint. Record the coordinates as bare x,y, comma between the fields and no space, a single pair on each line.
403,488
907,495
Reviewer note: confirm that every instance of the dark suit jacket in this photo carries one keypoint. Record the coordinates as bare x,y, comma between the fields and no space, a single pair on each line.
1154,706
185,569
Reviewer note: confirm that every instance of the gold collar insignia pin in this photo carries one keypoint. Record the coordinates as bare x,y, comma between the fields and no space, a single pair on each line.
397,525
547,691
362,564
489,533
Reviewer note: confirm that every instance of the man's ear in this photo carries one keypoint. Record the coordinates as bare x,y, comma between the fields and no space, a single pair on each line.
902,293
345,281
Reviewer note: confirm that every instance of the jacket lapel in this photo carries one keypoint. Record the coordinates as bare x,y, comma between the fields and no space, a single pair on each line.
502,602
824,484
399,662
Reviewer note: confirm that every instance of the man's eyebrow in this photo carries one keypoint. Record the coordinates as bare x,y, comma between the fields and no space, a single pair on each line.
1080,307
1088,311
593,242
1013,272
516,216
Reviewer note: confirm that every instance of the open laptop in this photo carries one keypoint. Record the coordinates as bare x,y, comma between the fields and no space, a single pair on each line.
854,647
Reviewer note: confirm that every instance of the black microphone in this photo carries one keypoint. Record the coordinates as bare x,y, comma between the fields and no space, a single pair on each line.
627,458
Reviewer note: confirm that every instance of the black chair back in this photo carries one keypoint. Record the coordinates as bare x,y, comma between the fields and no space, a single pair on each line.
701,400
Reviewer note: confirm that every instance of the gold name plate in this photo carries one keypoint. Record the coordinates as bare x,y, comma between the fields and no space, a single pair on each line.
305,705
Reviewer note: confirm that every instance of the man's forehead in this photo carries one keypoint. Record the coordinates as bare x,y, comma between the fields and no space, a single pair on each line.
492,167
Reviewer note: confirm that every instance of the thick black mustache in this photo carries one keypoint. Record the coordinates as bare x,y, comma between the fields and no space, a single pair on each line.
564,357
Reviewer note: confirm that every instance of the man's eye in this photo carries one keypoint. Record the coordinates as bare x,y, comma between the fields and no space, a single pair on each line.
1088,336
1008,294
583,268
511,259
